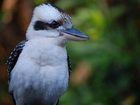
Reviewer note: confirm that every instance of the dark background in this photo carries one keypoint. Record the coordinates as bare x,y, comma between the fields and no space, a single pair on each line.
106,69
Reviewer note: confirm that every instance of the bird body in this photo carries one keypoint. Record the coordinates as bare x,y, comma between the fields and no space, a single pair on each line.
41,72
39,67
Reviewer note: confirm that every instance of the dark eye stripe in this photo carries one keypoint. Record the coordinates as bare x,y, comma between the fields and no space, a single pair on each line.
39,25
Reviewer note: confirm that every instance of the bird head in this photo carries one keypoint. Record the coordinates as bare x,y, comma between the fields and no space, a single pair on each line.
49,21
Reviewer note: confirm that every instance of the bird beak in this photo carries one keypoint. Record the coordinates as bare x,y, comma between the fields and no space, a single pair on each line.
74,34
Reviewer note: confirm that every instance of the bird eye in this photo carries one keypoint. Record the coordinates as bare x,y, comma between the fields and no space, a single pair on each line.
55,24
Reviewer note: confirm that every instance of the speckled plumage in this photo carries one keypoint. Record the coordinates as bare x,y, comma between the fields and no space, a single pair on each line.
14,56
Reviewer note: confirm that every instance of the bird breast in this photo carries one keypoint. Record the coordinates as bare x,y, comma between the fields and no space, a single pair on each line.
44,53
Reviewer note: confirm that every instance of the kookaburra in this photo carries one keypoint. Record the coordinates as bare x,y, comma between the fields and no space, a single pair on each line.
39,66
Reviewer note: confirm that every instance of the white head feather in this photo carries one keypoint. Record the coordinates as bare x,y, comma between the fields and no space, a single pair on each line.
48,13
